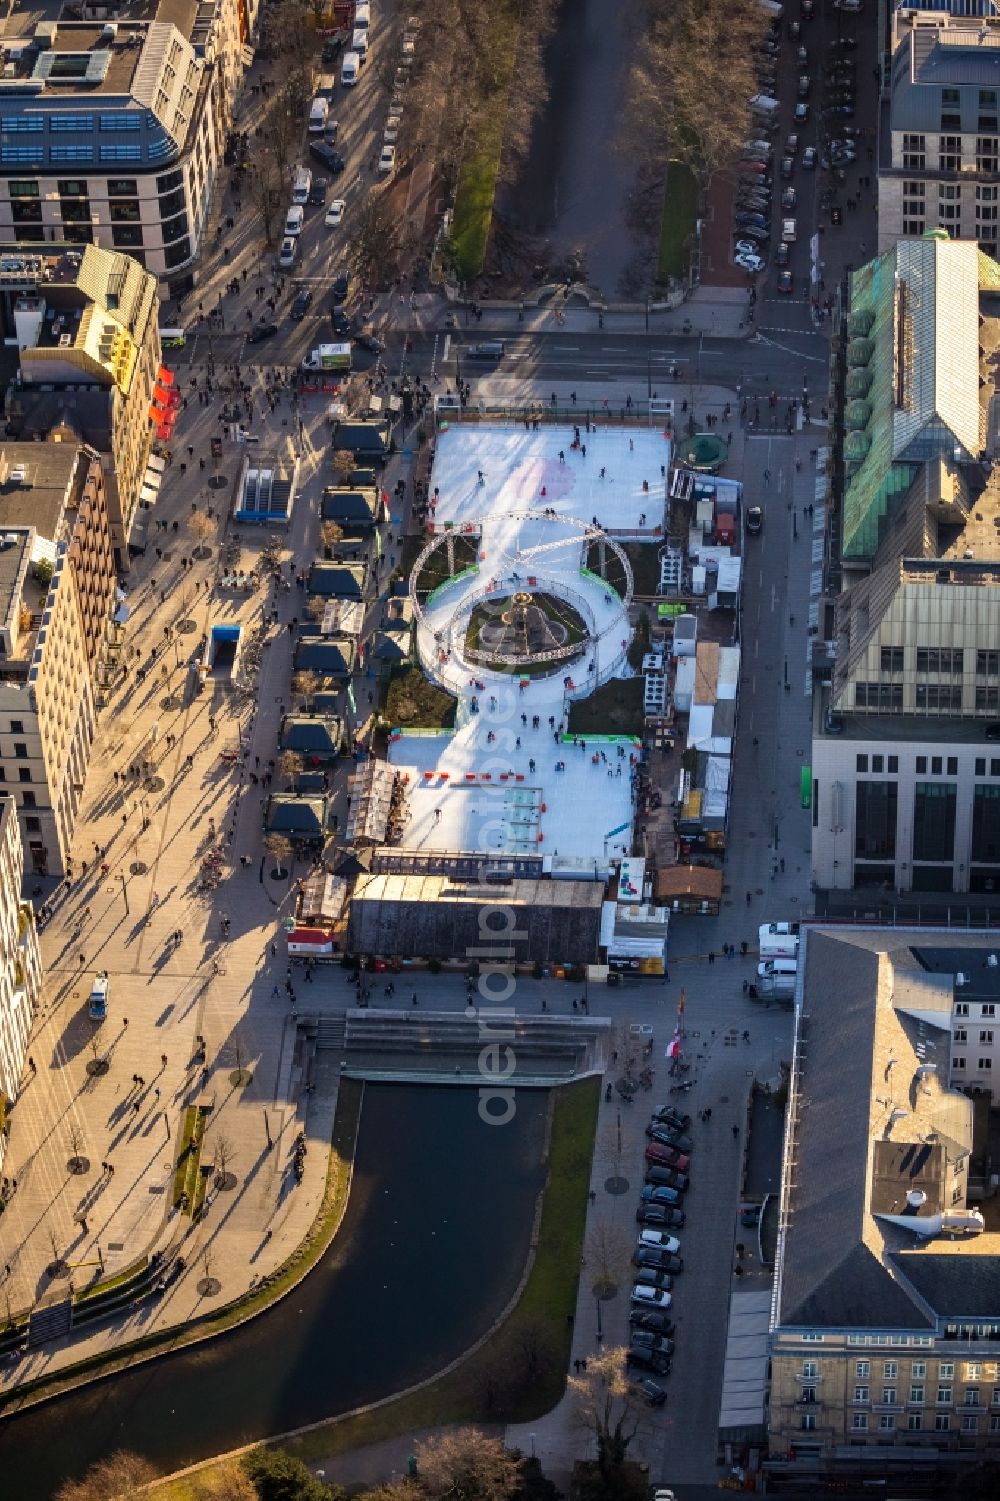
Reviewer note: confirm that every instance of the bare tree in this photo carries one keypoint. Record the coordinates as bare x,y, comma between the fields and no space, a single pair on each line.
281,849
344,465
463,1464
267,184
533,1345
374,244
222,1155
607,1254
226,1482
201,528
306,684
122,1475
689,92
291,765
603,1407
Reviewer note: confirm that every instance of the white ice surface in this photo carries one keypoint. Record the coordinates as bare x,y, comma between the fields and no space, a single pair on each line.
584,804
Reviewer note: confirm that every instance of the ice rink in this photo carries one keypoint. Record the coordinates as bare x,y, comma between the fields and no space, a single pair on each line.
498,783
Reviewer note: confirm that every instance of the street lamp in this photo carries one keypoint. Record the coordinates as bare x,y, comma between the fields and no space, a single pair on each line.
600,1331
267,1128
121,877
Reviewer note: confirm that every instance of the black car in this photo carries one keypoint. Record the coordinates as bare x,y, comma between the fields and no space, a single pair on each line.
669,1137
318,191
341,323
340,289
331,159
651,1318
653,1395
369,341
672,1117
331,49
667,1177
657,1260
646,1339
302,303
649,1276
260,332
650,1362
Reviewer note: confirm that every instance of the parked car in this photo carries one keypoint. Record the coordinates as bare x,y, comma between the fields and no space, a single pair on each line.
658,1238
652,1214
331,159
660,1323
656,1260
751,264
671,1116
667,1156
655,1193
652,1276
648,1339
302,302
669,1136
652,1395
744,217
661,1214
650,1297
667,1177
387,160
650,1362
753,232
261,331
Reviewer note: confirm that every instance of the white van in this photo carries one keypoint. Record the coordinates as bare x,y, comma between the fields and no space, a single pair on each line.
778,940
294,219
349,70
776,977
359,44
362,16
301,184
318,111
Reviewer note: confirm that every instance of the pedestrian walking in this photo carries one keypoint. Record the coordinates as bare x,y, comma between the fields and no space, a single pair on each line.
736,1132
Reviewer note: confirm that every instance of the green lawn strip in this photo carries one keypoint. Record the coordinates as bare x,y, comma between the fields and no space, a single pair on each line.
644,558
108,1285
414,702
268,1291
680,212
549,1295
616,708
187,1174
474,197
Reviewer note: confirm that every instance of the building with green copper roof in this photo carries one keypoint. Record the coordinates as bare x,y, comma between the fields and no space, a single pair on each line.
913,365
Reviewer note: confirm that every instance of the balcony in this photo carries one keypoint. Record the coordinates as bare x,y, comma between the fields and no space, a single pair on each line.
804,1380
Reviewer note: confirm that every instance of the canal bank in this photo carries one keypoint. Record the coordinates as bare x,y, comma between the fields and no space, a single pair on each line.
432,1245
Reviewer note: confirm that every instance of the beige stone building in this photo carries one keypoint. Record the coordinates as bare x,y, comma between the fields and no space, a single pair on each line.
942,166
885,1328
20,964
58,636
85,324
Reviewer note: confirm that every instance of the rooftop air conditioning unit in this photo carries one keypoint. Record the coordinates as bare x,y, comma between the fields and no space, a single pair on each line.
109,31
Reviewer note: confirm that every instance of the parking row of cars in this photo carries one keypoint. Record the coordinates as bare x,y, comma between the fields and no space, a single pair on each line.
657,1256
754,205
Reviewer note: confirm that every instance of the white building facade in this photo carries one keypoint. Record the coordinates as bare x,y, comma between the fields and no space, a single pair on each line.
20,964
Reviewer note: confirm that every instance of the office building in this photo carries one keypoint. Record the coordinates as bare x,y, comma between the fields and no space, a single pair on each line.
58,635
941,154
84,322
113,123
885,1325
20,964
905,773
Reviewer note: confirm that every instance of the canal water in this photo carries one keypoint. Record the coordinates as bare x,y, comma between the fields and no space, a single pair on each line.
433,1243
